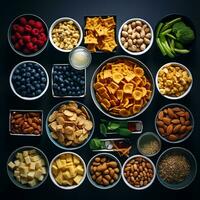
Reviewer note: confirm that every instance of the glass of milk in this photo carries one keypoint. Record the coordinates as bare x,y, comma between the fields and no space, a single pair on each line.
80,58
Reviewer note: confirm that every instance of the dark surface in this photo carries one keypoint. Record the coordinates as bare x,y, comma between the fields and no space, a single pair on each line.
124,9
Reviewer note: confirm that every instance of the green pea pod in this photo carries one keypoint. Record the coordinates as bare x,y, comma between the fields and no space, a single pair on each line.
167,49
166,31
170,23
158,29
161,47
171,36
182,51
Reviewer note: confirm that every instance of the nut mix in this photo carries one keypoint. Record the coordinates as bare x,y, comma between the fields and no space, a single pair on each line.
135,36
173,80
70,124
104,170
25,122
66,35
138,172
174,123
122,88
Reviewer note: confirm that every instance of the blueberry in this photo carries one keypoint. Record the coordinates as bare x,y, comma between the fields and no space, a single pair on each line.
70,92
24,65
71,83
68,88
67,73
14,77
33,71
38,92
30,64
73,87
66,82
77,88
73,93
23,74
55,85
17,71
55,78
78,79
79,93
19,77
43,80
74,77
82,82
32,88
58,88
36,66
33,94
64,68
42,73
42,86
61,79
35,82
17,83
37,75
82,91
32,78
28,80
60,67
23,80
63,90
29,68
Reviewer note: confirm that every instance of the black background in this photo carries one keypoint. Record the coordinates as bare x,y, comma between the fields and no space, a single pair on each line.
50,10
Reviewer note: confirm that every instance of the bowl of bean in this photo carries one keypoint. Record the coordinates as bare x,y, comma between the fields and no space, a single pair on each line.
65,34
29,80
174,80
104,171
135,36
138,172
176,168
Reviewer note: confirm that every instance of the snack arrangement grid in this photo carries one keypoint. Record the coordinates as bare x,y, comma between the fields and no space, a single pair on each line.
175,125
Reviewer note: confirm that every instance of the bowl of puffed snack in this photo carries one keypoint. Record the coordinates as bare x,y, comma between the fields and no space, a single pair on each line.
70,125
100,34
122,87
174,80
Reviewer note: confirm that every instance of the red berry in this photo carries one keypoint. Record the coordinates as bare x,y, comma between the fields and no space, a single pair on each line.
28,28
20,29
23,21
15,27
35,48
35,31
27,38
40,43
21,42
18,35
38,25
29,45
17,46
13,38
26,51
31,22
34,40
42,30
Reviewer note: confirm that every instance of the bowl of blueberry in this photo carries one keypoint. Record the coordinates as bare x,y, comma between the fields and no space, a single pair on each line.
68,82
29,80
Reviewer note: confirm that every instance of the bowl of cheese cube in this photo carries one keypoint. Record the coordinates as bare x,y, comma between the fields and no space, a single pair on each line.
27,167
67,170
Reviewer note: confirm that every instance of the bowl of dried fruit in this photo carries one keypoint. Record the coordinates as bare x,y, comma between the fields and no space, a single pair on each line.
122,87
70,125
176,168
174,123
174,80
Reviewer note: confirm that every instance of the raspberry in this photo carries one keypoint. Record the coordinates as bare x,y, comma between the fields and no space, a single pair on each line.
42,30
42,37
21,42
13,38
26,51
20,29
29,45
18,35
34,40
38,25
35,31
15,27
35,48
17,46
23,21
28,28
40,43
27,38
31,22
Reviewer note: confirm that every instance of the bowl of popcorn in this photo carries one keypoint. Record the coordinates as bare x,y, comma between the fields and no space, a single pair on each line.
135,36
65,34
27,167
67,170
174,80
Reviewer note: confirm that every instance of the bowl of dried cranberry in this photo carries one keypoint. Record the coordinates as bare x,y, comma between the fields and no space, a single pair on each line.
28,35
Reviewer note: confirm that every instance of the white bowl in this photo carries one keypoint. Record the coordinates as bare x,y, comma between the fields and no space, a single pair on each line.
183,67
12,86
67,187
151,40
61,20
131,186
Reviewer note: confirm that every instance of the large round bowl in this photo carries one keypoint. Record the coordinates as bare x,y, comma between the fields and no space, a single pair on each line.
12,157
193,168
56,143
147,74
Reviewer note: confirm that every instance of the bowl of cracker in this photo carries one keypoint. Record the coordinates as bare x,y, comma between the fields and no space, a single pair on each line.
122,87
70,125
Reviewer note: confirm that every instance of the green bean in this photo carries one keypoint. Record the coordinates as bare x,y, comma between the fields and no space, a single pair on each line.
170,23
161,47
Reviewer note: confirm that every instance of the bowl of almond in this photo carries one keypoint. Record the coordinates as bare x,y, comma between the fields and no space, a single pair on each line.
174,123
70,125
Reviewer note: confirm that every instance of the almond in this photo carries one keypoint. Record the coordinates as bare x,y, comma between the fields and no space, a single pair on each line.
189,128
177,128
160,115
161,131
187,115
160,123
175,121
170,113
169,129
172,137
183,129
165,111
166,120
181,136
181,113
187,123
176,109
182,120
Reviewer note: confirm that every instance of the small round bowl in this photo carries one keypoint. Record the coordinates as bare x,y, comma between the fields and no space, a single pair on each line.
131,186
62,19
48,131
193,171
144,139
148,74
89,174
13,88
184,68
12,157
191,118
72,186
78,50
149,45
32,16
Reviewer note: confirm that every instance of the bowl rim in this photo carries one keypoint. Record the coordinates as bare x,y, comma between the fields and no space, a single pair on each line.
183,150
144,135
89,175
11,44
183,67
151,40
154,172
192,120
148,72
40,152
13,88
54,141
52,177
61,19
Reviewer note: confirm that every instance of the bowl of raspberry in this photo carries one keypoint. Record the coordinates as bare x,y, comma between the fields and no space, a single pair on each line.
28,35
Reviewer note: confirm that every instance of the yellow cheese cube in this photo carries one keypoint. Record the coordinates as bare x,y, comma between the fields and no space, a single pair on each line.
76,160
67,182
38,173
23,180
44,171
32,166
67,175
32,183
32,152
24,175
27,160
20,157
59,178
78,179
25,153
41,178
38,165
11,165
31,175
18,178
16,173
23,169
17,163
80,170
35,158
68,157
72,171
42,162
54,170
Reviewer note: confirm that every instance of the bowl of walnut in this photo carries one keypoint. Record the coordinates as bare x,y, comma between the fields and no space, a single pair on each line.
70,125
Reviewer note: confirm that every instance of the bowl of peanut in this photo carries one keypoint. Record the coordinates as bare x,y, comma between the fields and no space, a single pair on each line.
65,34
174,80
